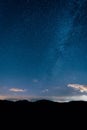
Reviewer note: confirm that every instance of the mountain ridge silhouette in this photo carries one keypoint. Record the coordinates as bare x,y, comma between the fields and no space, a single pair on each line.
42,113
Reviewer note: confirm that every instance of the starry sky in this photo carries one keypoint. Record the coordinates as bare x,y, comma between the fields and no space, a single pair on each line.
43,49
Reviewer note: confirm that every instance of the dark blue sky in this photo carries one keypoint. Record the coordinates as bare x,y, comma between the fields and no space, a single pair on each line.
43,48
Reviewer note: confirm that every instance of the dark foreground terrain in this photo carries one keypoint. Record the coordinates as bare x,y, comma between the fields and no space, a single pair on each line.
43,113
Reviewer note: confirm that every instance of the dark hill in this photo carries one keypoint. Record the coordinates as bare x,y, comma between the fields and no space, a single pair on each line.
43,105
43,112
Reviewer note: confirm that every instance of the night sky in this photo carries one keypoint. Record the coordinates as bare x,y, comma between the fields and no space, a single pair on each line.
43,49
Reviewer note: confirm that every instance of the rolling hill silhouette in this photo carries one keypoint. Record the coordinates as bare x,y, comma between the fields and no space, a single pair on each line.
43,112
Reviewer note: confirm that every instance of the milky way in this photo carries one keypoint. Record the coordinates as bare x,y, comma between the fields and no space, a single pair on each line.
43,47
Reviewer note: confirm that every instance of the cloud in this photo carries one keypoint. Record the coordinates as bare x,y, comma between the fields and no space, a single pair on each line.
16,90
81,88
35,80
45,90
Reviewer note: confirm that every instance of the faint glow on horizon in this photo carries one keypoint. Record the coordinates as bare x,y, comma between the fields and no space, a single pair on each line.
51,98
69,98
2,97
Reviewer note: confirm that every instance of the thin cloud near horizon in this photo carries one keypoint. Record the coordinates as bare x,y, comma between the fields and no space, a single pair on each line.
17,90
